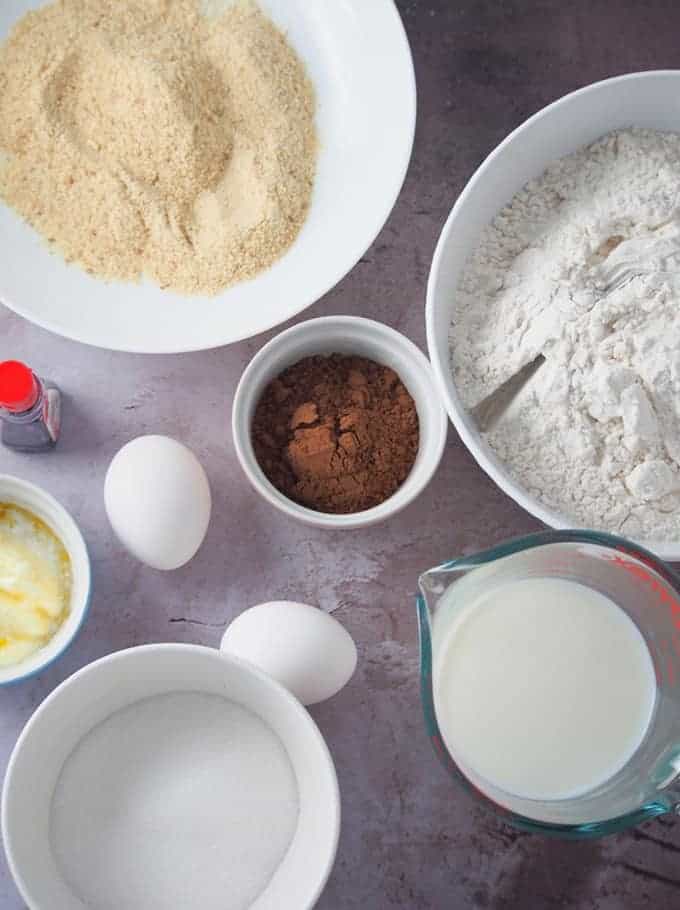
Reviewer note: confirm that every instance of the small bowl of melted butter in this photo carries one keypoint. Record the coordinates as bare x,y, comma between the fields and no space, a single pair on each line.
45,579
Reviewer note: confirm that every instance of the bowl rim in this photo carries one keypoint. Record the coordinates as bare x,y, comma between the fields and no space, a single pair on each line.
326,762
335,276
457,413
389,339
82,607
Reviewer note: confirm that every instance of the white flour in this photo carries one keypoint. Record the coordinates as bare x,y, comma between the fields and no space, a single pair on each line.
180,801
596,433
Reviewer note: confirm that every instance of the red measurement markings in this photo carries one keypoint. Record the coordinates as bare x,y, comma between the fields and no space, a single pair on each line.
640,557
654,583
668,649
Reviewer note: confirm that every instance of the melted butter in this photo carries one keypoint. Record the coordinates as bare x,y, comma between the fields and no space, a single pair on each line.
35,584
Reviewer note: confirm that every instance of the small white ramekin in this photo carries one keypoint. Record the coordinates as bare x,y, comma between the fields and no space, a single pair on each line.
343,335
41,504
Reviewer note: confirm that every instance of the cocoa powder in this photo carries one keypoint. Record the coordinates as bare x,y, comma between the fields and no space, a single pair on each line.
337,433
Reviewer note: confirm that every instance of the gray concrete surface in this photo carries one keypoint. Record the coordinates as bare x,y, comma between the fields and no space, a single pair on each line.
410,839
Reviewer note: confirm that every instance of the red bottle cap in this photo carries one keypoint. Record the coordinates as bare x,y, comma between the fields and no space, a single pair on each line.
19,389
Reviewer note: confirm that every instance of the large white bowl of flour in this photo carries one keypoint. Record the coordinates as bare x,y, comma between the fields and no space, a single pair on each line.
168,777
646,101
358,58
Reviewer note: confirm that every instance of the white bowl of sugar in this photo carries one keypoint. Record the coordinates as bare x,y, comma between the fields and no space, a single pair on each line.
641,100
170,777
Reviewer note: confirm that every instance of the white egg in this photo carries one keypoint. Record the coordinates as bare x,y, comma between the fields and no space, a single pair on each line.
303,648
158,501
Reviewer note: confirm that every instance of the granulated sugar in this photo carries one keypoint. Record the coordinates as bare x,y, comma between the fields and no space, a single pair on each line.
146,138
596,433
178,802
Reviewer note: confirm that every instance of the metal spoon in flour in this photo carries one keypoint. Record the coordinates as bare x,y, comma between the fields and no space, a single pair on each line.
623,261
486,412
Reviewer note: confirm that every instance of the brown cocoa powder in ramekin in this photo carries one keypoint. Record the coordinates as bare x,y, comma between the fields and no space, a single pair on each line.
336,433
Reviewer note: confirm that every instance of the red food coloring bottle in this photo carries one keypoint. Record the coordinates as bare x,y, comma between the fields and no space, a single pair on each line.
30,409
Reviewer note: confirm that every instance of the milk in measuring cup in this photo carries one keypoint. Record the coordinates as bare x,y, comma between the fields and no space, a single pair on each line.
543,688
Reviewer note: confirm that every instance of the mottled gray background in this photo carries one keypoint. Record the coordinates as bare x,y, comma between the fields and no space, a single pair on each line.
409,838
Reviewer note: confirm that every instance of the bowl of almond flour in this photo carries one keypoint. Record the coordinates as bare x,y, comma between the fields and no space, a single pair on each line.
566,243
179,176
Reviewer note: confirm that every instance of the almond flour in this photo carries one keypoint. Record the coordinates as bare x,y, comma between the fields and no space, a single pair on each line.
141,137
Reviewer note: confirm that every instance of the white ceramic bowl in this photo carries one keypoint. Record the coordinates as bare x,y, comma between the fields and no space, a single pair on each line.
343,335
358,57
55,516
91,695
650,100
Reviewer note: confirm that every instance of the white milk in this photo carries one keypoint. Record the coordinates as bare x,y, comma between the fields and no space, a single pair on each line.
543,688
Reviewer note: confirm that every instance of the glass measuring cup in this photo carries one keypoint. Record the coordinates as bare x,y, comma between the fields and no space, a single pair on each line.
649,592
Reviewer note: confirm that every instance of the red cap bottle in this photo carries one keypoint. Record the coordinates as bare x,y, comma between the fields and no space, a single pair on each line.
30,409
19,388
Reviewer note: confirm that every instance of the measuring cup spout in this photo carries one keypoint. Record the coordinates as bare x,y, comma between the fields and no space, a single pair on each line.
434,582
425,601
432,585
